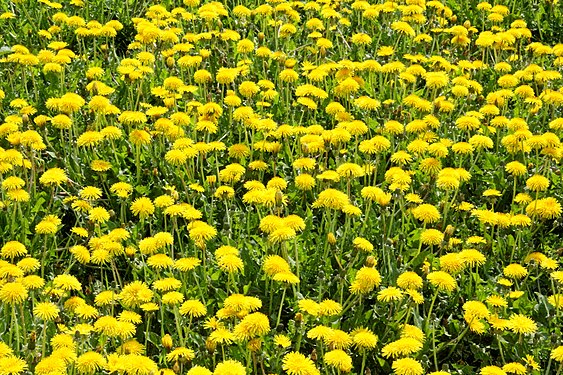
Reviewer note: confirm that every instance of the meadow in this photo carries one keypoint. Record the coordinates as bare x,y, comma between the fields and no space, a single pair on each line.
281,187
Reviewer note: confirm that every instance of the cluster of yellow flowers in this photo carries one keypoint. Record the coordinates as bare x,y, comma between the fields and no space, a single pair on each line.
298,186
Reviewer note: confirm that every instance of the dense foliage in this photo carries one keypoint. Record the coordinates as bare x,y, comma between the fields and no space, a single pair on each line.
280,187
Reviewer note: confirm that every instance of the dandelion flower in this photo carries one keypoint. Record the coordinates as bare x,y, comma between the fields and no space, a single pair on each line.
364,339
426,213
12,365
12,249
515,368
90,362
557,354
521,324
403,346
98,215
390,294
492,370
409,280
230,263
142,207
13,293
198,370
193,308
515,271
431,237
297,364
46,311
229,367
252,325
180,353
53,176
442,280
338,359
407,366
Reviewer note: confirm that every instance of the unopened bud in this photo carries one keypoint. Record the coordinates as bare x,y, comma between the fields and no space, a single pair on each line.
211,180
331,238
279,198
176,367
170,62
167,341
210,345
255,344
314,355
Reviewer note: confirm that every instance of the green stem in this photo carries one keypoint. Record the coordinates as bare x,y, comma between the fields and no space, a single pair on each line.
430,310
281,306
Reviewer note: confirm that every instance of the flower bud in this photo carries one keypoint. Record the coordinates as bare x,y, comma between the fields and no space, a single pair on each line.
211,180
167,341
331,238
210,345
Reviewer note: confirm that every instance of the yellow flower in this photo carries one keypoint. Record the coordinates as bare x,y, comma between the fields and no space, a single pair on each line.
172,298
135,293
142,207
121,189
53,176
180,353
338,359
67,282
49,225
90,362
390,294
516,168
297,364
12,249
193,308
198,370
364,339
282,340
12,365
140,137
282,234
426,213
13,293
366,279
514,368
557,354
537,183
403,346
132,117
252,325
230,367
98,215
230,263
363,244
331,198
13,183
186,264
521,324
409,280
515,271
46,310
442,280
431,237
492,370
407,366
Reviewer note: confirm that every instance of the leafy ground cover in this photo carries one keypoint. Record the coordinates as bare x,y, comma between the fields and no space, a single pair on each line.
280,187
